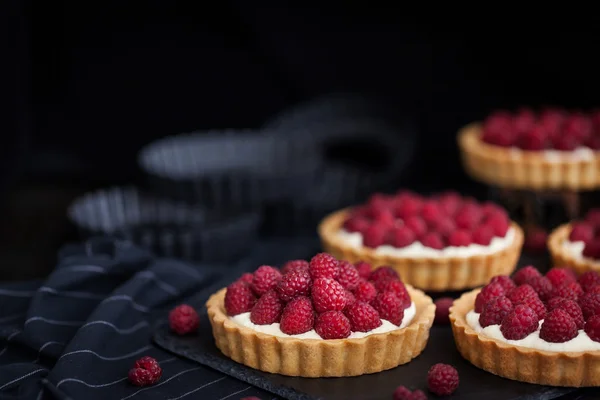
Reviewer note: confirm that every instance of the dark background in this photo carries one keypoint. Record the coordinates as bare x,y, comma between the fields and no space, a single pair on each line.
83,86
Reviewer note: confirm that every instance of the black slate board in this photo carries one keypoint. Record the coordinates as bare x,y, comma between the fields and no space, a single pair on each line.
475,384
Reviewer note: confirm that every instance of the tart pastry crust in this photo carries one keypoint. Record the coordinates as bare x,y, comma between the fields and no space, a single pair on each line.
499,166
561,257
313,358
427,273
573,369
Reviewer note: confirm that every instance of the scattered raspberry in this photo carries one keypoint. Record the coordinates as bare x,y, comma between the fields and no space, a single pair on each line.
570,291
416,225
535,241
375,236
332,325
363,317
250,398
542,286
488,293
383,273
183,319
246,278
590,304
433,240
328,295
588,280
294,265
418,395
402,393
323,265
521,292
364,269
265,278
294,284
592,328
365,291
558,327
267,309
389,307
398,289
560,276
504,281
442,379
571,307
535,304
402,236
460,238
495,310
519,323
525,274
146,371
442,310
483,236
499,224
348,275
582,232
297,317
239,299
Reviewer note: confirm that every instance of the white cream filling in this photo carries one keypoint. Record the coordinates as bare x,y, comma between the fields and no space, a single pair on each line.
416,249
581,342
580,153
575,249
273,329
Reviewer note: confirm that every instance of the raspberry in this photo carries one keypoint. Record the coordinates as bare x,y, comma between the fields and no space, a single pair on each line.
383,274
490,210
581,232
444,226
389,307
449,202
433,240
332,325
183,319
402,236
483,236
595,289
560,276
356,224
407,206
442,379
402,393
378,201
521,292
265,278
384,217
328,295
418,395
498,224
365,291
588,280
525,274
565,143
571,307
416,225
297,317
499,132
533,140
519,323
542,286
294,284
592,328
348,275
593,142
535,304
324,265
294,265
571,291
442,310
363,317
535,241
558,327
488,293
267,309
398,289
431,212
590,304
146,371
467,219
504,281
350,299
246,278
524,120
239,299
592,249
460,238
364,269
593,216
495,310
250,398
375,235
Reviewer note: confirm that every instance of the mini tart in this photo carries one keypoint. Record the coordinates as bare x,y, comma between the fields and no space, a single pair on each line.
574,369
427,273
499,166
561,257
312,358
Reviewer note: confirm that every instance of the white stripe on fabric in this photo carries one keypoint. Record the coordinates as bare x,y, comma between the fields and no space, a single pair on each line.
8,339
124,297
163,285
133,353
21,378
83,268
121,331
54,322
75,295
16,293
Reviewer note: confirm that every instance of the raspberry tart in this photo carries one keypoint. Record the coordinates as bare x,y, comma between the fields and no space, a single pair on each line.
534,328
577,245
323,318
442,242
553,149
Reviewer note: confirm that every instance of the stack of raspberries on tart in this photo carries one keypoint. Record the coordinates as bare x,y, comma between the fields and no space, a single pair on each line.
441,242
577,244
552,149
534,328
321,318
